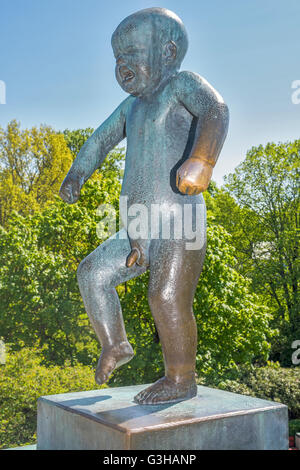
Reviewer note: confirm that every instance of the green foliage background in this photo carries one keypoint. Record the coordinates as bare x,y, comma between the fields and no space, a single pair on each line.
260,207
22,381
246,303
41,306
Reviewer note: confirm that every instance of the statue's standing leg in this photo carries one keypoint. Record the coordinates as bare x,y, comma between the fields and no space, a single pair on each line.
174,274
98,275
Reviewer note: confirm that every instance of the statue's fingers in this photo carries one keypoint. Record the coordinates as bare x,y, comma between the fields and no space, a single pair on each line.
182,187
190,190
132,258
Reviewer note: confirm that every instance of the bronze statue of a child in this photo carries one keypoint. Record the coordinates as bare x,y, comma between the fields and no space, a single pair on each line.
175,124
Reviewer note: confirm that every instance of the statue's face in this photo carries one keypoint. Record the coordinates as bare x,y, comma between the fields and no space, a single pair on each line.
139,68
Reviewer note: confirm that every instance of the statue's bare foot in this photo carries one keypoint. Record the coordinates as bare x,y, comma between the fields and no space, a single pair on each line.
166,390
110,359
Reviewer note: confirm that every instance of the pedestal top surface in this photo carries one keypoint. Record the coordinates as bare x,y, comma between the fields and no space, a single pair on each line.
115,407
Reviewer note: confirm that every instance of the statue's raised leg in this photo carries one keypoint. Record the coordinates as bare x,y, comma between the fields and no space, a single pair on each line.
98,275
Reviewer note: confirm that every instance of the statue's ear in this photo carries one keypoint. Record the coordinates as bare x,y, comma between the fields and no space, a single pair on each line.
170,52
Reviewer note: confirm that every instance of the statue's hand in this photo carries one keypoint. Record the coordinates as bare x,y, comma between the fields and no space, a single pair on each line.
137,255
70,188
193,177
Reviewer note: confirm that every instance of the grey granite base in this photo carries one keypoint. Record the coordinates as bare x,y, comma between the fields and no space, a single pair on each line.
108,419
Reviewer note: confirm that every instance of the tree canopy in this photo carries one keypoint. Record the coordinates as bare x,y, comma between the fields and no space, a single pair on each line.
41,306
250,268
259,206
33,163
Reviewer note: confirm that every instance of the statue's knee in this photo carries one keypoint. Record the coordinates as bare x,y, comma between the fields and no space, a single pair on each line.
160,298
90,274
83,271
86,271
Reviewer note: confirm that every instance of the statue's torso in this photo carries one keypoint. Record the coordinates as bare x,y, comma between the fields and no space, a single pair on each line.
160,134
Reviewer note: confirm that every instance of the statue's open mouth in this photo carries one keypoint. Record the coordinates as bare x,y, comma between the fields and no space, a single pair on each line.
126,74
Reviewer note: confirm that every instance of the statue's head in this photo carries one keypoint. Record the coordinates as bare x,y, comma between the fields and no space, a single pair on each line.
148,46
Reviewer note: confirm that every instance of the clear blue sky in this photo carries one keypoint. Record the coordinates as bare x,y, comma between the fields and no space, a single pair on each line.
58,66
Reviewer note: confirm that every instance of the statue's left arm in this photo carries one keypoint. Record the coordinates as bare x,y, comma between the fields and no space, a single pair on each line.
93,152
204,103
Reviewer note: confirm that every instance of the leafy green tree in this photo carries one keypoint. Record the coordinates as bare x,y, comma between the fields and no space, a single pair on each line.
33,163
40,303
259,207
23,379
76,138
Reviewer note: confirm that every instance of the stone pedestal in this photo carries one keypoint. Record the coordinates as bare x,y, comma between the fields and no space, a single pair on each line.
108,419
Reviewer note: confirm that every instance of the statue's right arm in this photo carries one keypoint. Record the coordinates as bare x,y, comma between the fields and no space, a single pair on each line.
94,151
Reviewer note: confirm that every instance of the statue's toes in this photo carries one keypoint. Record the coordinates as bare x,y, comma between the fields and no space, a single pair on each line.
139,397
101,378
142,396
